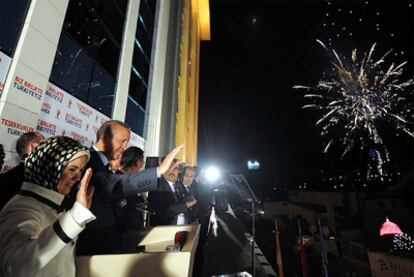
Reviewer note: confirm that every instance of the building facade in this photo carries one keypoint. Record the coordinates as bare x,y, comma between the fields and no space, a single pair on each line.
68,66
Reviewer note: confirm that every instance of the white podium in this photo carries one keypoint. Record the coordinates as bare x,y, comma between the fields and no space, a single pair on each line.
155,261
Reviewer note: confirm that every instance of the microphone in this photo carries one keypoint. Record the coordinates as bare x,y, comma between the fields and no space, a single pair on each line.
179,239
141,208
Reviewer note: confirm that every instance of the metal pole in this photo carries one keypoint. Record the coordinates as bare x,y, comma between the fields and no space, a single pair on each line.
253,239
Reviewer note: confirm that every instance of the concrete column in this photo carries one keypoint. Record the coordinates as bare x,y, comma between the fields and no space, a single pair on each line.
124,68
29,71
155,96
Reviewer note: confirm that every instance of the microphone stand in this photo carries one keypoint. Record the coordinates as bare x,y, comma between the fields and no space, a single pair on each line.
144,210
253,238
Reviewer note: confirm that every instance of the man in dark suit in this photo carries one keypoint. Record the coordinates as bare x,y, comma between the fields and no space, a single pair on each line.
189,190
168,203
129,209
102,236
132,160
12,180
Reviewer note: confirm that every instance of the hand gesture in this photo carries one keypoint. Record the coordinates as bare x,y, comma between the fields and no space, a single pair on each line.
85,193
165,165
191,202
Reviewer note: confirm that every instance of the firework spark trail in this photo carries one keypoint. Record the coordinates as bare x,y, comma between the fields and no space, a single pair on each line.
402,242
357,97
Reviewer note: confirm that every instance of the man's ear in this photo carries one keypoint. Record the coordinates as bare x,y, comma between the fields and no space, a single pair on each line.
137,163
31,146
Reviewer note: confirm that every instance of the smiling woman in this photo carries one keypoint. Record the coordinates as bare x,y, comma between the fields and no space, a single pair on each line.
71,174
37,237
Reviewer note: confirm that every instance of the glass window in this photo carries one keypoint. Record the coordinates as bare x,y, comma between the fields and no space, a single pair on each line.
72,68
97,27
12,17
138,85
137,88
147,17
151,4
102,89
141,63
122,5
144,40
87,58
135,116
75,71
110,15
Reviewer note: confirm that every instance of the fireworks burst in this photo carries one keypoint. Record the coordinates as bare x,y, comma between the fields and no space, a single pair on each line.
402,242
359,96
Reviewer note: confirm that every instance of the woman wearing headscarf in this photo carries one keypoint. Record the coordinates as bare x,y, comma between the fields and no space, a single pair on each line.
37,237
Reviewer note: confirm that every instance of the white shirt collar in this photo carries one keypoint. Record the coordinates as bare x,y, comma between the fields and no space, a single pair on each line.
171,184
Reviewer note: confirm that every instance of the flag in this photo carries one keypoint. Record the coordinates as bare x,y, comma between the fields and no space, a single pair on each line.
302,253
278,252
324,255
212,223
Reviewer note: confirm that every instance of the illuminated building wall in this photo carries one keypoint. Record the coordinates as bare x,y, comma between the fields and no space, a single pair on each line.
195,27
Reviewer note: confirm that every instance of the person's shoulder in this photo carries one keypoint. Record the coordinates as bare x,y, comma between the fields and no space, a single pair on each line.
93,152
163,184
14,175
162,181
24,206
95,160
179,185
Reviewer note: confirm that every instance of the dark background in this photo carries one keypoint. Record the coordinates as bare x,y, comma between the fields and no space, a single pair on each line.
248,110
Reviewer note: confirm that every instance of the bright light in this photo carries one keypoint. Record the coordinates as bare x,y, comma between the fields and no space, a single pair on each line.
212,174
253,165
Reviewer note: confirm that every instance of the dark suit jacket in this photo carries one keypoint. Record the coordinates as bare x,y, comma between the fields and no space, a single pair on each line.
187,194
10,183
166,204
101,235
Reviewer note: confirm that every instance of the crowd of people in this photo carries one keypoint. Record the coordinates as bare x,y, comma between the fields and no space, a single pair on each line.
63,199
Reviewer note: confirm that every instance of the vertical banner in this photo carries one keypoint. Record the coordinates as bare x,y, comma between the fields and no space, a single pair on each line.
279,260
4,68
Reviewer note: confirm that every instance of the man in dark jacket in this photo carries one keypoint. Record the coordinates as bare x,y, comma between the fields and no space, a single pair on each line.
12,180
102,236
129,210
168,202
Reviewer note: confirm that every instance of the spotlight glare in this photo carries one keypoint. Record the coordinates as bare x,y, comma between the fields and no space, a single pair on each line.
212,174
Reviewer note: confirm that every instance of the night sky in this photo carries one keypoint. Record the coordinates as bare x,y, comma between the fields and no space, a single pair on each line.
248,110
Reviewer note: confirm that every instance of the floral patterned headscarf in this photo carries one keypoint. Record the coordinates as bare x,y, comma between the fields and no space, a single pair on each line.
45,164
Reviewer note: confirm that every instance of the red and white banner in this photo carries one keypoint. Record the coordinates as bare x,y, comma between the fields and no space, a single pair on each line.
4,68
13,123
63,114
60,114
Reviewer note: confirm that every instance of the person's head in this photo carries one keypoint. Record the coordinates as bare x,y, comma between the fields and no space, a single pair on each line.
56,164
197,170
112,138
27,142
173,172
132,159
188,176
